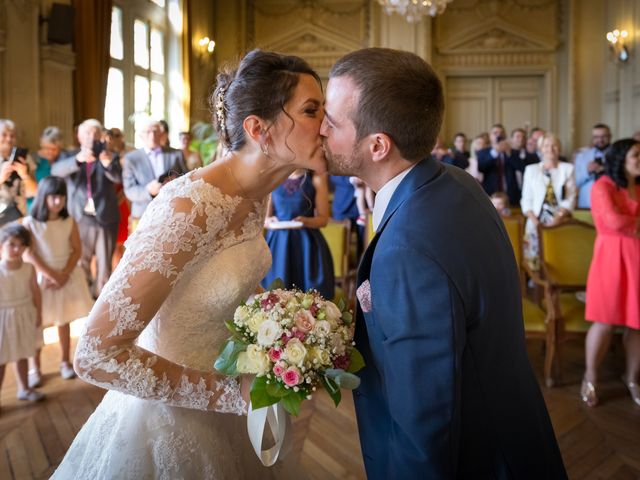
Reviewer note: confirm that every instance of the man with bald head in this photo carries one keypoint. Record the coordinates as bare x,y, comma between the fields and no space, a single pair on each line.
147,169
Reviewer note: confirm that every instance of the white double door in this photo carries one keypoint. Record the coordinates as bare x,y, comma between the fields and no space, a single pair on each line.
474,103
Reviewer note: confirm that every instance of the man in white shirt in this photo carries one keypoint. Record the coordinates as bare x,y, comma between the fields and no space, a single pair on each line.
147,169
439,319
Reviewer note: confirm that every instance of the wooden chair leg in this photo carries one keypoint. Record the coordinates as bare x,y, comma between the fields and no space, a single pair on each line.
549,354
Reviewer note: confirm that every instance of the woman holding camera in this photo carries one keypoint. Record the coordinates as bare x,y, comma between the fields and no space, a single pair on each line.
16,180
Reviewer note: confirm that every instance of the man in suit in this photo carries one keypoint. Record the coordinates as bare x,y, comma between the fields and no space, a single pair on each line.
91,173
447,390
147,169
501,166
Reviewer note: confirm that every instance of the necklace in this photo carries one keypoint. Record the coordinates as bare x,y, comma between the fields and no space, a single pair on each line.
242,190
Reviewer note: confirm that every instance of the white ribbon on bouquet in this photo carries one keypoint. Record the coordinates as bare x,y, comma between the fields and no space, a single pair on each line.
279,422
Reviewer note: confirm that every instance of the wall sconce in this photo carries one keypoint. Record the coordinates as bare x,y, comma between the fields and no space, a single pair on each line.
617,39
206,47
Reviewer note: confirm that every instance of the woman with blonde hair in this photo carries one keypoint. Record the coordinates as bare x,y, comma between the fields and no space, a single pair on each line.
548,194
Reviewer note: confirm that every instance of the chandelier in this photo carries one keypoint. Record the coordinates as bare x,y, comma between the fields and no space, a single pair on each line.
414,10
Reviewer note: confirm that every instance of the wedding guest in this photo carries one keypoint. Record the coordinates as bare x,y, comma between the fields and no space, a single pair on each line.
191,156
477,144
613,285
51,150
91,174
589,163
548,195
20,308
55,251
301,256
502,169
500,201
17,182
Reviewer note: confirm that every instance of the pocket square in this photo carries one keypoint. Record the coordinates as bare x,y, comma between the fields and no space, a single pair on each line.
364,296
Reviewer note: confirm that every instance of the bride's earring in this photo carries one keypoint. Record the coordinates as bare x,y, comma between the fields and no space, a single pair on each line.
265,149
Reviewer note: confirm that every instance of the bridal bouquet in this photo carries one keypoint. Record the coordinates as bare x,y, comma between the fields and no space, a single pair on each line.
294,342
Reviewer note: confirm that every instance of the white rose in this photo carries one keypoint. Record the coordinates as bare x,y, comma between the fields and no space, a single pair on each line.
322,328
320,355
241,315
253,360
333,312
295,352
268,332
255,321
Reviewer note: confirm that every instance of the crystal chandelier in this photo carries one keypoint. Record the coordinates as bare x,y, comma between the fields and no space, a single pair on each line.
414,10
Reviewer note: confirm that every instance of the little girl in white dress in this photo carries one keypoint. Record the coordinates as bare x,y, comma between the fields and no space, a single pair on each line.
55,252
19,308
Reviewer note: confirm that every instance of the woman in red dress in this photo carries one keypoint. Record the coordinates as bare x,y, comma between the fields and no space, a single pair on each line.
613,286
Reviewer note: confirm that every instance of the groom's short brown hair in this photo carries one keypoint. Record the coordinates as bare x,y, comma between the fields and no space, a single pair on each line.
399,94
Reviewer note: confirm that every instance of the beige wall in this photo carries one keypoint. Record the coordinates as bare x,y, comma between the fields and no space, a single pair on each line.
36,80
560,42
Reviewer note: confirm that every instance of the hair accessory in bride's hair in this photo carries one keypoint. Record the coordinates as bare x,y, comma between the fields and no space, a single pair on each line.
220,114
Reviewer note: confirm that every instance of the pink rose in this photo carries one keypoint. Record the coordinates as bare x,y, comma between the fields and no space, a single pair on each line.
298,334
285,339
291,376
269,302
278,369
314,309
305,321
275,354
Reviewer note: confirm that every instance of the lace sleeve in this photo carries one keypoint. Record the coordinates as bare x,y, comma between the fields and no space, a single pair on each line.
172,236
604,207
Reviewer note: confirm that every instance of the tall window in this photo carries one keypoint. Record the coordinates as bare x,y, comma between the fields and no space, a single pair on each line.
137,84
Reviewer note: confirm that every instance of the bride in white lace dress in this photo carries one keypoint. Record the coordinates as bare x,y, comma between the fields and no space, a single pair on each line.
154,333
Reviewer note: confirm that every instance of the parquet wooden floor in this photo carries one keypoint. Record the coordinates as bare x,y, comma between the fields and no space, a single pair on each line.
599,443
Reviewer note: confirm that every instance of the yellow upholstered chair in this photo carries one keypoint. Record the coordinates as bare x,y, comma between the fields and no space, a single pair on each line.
565,256
583,215
338,236
536,324
369,232
515,229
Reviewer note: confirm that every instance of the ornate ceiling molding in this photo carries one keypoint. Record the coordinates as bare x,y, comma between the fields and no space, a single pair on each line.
496,60
496,35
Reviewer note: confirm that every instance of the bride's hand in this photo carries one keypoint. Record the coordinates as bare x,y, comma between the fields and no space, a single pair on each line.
245,388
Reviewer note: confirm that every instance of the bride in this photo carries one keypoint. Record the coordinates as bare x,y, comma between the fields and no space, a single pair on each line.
154,332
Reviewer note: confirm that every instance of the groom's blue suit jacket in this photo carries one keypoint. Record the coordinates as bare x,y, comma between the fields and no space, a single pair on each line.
448,391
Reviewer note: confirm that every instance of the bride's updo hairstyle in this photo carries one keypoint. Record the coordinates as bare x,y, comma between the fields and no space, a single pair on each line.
261,85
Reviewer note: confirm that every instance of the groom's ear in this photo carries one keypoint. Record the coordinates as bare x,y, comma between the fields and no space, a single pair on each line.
380,145
254,127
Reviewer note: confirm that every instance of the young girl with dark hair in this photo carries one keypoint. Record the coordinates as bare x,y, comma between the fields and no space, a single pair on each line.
19,308
55,253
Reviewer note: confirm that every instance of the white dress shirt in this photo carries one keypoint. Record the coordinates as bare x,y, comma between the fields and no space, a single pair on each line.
383,197
157,162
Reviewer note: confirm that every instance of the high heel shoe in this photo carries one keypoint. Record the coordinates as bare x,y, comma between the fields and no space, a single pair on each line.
634,390
588,393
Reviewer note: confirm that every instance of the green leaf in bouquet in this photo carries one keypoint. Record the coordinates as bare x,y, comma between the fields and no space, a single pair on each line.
259,395
291,403
356,362
228,358
276,389
342,305
343,379
347,318
233,328
332,389
276,284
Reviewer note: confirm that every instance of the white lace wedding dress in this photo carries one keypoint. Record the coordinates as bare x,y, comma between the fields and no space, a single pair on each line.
152,339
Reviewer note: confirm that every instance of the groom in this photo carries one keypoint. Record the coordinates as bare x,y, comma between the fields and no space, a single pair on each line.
447,391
